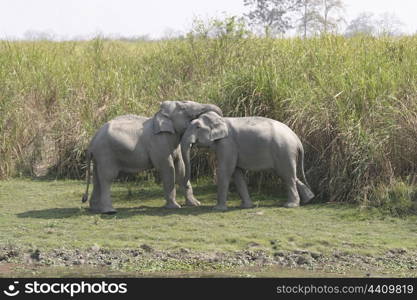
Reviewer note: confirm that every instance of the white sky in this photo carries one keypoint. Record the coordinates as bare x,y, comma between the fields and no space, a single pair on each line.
75,18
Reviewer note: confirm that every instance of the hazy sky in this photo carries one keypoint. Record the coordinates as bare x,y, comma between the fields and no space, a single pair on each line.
75,18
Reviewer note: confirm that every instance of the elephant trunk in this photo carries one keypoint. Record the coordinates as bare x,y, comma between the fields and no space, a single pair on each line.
186,142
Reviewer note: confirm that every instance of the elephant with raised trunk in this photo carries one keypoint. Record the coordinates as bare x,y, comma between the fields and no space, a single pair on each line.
132,143
251,143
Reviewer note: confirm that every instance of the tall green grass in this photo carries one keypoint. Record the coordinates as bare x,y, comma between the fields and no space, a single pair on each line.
352,101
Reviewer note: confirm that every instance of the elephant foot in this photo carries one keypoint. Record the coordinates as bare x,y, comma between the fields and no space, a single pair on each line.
85,198
220,207
172,205
305,193
291,204
192,202
246,205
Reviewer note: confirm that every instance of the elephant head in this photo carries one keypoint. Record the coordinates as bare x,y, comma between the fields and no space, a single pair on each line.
175,116
205,130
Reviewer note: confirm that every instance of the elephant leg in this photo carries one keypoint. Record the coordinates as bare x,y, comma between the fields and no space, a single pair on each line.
293,197
242,188
185,187
226,164
287,171
103,177
223,182
95,196
305,193
167,171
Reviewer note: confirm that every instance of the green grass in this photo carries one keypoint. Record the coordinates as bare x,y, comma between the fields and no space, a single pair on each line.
49,215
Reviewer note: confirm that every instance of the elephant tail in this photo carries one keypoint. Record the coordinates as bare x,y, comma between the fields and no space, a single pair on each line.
88,175
304,190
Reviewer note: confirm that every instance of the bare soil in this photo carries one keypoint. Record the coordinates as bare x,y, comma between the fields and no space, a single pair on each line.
146,261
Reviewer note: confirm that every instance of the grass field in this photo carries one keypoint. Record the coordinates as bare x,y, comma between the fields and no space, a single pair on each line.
47,217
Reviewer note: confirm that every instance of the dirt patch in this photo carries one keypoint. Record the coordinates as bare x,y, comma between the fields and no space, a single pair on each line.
7,268
396,262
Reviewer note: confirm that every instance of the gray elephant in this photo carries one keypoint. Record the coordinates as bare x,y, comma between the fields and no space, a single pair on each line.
132,143
252,143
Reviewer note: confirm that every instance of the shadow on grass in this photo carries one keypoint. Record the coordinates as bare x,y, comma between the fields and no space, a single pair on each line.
53,213
145,194
137,195
148,194
143,210
128,212
122,213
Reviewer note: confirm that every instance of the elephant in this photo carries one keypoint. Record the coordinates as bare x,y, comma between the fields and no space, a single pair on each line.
251,143
132,143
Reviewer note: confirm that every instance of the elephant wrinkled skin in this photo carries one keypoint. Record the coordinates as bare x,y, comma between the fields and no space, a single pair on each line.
252,143
132,143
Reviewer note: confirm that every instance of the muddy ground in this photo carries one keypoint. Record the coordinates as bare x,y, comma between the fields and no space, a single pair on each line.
147,261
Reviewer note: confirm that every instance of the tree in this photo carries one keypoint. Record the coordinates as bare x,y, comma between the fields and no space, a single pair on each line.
229,27
37,35
274,16
389,24
320,15
170,33
310,16
277,16
364,23
331,15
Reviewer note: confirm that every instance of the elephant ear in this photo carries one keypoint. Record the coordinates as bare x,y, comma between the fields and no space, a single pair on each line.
217,125
162,123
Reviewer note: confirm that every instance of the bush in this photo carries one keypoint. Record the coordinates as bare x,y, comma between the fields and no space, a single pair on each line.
397,199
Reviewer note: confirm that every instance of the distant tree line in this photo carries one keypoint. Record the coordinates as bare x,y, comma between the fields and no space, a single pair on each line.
271,18
312,17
